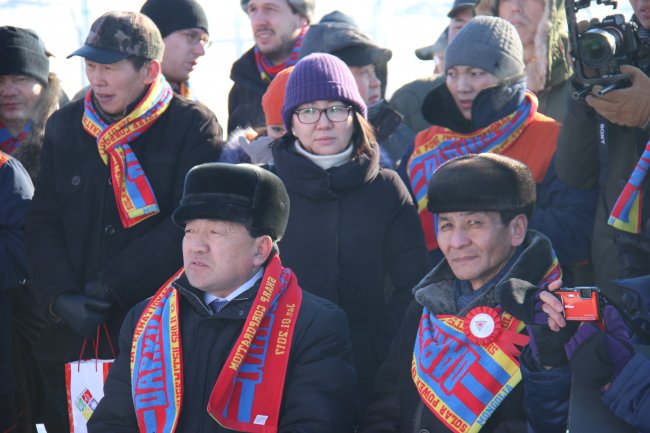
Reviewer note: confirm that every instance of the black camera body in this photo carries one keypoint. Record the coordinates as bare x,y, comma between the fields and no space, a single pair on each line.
606,45
599,51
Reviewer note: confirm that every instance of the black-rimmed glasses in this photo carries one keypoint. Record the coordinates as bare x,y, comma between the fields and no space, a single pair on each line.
336,113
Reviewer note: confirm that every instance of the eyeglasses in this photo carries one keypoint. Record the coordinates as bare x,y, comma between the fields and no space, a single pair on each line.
194,37
337,113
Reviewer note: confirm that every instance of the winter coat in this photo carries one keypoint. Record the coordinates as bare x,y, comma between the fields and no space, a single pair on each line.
245,97
550,70
29,154
349,228
392,134
319,389
627,398
73,231
583,162
408,99
563,213
16,190
398,407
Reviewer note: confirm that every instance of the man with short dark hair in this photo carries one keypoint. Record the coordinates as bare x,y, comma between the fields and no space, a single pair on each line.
184,29
455,365
250,350
279,27
99,232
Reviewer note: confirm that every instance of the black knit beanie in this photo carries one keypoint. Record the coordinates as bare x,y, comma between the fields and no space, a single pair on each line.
173,15
23,53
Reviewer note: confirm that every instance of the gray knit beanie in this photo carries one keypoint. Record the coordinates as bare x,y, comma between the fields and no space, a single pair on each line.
321,77
489,43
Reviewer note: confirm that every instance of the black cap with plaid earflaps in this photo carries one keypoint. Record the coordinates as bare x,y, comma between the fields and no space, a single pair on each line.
117,35
240,193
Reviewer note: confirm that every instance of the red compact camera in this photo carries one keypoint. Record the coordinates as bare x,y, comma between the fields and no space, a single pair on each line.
580,303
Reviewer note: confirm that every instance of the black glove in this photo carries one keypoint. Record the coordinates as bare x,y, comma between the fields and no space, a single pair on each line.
80,312
521,299
597,357
98,289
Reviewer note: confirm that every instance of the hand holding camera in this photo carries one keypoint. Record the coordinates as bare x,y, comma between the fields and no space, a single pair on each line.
541,311
629,106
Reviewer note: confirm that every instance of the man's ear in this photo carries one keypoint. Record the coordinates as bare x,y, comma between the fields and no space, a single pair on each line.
263,248
518,227
152,69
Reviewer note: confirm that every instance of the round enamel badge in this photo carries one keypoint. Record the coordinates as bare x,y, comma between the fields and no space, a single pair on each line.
482,325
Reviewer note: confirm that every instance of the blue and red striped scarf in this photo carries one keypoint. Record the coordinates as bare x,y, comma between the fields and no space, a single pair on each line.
133,193
248,392
267,70
185,90
626,213
8,143
463,376
446,144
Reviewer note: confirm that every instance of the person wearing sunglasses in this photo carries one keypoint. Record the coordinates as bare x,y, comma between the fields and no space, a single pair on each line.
352,223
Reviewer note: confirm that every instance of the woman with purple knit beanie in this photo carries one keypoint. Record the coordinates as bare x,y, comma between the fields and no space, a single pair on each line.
352,223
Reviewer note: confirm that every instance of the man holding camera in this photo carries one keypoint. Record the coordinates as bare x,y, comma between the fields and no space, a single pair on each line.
446,371
604,142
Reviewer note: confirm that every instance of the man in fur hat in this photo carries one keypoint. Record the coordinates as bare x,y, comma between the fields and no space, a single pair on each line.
29,94
457,364
241,338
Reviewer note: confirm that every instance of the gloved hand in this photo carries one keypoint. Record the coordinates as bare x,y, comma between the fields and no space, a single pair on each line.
98,289
532,305
629,106
258,149
597,357
80,312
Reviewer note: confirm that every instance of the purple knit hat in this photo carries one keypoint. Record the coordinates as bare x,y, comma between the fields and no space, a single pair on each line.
321,77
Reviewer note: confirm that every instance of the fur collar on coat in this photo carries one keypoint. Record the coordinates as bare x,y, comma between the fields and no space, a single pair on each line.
436,290
29,154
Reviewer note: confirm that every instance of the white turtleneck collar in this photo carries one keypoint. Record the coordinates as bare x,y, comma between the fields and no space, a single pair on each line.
326,161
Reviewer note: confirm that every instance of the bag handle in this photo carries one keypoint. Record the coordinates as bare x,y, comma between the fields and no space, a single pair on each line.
95,342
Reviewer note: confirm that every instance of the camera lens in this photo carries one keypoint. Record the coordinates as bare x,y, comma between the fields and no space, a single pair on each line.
585,293
597,47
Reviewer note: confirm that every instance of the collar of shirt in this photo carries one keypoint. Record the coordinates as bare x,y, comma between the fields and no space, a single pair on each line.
207,297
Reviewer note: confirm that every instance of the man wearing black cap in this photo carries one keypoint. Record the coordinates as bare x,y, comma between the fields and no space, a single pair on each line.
29,94
184,28
99,232
254,352
408,99
455,365
338,34
279,27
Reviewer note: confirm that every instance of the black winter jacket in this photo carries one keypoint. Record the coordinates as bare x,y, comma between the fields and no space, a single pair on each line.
349,228
73,231
319,387
399,408
245,97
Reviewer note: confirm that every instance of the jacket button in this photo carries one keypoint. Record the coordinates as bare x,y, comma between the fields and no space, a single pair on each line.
423,431
109,230
110,181
76,180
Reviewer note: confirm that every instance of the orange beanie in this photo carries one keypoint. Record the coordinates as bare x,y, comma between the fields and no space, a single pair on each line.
273,99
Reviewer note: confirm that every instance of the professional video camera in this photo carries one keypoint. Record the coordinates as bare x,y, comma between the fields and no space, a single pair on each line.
600,49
